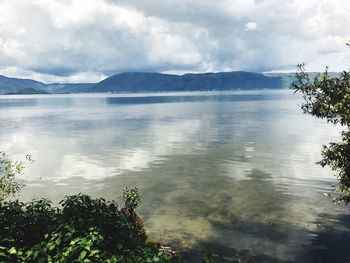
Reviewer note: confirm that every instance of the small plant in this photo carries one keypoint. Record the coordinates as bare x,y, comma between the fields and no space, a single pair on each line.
9,170
132,198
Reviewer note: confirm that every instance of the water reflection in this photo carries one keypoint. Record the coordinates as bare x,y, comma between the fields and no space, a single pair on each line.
235,171
329,242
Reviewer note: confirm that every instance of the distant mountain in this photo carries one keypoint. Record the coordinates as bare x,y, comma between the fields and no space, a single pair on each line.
287,78
14,85
27,91
156,82
69,87
28,86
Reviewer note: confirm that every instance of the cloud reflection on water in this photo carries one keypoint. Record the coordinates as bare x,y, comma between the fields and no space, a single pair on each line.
240,172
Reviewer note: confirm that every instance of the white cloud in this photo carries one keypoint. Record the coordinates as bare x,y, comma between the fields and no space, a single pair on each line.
21,31
73,40
11,48
251,26
80,77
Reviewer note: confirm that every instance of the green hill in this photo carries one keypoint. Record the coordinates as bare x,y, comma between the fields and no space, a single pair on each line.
157,82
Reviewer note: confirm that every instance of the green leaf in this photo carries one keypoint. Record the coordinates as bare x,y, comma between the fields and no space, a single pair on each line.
12,250
82,255
88,248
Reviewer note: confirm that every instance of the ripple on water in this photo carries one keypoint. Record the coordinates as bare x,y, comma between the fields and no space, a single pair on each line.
236,170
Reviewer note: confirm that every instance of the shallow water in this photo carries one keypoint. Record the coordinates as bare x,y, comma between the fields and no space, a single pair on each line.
234,171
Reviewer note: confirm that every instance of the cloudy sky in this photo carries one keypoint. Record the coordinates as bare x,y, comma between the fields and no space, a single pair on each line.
87,40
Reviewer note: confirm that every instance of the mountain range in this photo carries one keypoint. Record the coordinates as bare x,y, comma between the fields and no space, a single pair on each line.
154,82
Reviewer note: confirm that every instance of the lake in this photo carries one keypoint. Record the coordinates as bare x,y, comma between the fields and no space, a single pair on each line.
232,171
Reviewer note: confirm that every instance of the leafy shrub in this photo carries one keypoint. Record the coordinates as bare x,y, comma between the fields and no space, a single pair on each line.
83,229
328,98
25,224
82,213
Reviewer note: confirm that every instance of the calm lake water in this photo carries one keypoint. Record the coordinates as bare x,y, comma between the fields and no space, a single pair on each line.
233,171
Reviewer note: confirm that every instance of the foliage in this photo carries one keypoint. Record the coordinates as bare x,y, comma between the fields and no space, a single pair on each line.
82,229
209,256
131,198
9,170
328,98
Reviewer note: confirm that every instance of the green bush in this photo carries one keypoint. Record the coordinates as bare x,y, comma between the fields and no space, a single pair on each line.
26,224
328,97
82,229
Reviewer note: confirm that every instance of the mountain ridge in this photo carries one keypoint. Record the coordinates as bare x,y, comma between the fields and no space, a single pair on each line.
156,82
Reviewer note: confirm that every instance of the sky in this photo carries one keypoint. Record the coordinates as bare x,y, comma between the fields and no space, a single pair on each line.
88,40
